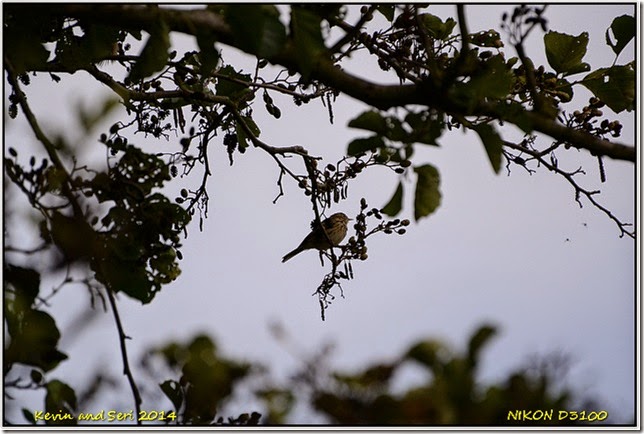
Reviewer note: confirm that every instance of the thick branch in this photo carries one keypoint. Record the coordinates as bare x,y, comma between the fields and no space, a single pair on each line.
381,96
580,139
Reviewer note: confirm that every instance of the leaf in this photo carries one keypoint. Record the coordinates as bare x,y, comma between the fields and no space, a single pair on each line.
22,44
486,38
493,144
477,341
34,337
425,128
60,400
74,237
428,195
172,390
371,121
492,79
29,416
623,31
256,28
363,145
436,28
387,11
242,136
129,277
26,282
565,52
394,205
307,36
208,54
427,353
154,55
615,86
229,88
96,43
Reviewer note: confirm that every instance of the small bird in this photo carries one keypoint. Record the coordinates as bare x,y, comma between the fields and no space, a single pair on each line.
329,234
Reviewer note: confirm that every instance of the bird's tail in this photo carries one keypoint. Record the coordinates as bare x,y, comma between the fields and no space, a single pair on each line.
289,255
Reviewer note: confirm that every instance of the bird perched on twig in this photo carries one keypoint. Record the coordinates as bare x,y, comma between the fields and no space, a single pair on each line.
328,234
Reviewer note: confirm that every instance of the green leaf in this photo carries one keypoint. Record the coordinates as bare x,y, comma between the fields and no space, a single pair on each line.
60,400
623,31
492,79
565,52
34,337
256,28
425,127
26,282
74,237
486,38
427,353
363,145
242,136
96,43
371,121
208,54
493,144
307,36
387,11
391,128
229,88
436,28
29,416
428,195
172,390
394,205
22,43
154,55
130,277
477,341
615,86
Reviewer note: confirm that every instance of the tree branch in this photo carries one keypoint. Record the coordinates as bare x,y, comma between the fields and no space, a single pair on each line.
126,365
381,96
568,176
50,148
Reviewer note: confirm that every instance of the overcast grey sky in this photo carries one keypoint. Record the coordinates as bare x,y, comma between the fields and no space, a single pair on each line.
495,251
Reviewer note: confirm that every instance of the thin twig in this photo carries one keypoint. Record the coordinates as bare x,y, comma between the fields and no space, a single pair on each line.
126,365
538,156
50,148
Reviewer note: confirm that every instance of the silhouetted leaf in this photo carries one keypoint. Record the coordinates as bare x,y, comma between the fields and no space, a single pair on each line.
307,36
172,390
256,28
363,145
492,143
34,337
154,55
387,11
208,54
623,29
615,86
428,195
60,400
565,52
371,121
477,341
435,27
29,416
394,205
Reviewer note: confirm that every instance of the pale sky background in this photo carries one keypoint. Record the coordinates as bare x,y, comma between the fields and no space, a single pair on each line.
495,251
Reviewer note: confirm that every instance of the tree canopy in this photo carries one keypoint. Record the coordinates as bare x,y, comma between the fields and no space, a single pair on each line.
117,226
